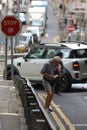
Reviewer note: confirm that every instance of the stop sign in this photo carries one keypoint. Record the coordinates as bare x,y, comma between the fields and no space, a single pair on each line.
11,26
70,28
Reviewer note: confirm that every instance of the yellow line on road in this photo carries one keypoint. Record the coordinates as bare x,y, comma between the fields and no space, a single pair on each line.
66,120
59,123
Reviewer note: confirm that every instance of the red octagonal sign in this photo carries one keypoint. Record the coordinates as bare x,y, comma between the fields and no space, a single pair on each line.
11,26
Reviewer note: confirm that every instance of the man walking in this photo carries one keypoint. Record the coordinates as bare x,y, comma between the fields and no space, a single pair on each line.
49,78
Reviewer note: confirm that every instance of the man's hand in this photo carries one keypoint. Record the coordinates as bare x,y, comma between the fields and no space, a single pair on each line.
55,76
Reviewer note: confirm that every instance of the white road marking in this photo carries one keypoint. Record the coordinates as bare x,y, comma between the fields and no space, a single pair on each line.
80,125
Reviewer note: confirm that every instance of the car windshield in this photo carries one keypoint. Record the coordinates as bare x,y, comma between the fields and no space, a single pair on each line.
36,23
23,38
47,52
32,31
42,52
50,52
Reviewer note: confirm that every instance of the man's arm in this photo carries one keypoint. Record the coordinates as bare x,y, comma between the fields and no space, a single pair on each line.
49,75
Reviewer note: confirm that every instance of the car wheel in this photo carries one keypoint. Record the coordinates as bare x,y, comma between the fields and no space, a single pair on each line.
9,74
66,85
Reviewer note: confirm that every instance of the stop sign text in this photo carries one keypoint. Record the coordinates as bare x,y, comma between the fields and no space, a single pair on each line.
11,26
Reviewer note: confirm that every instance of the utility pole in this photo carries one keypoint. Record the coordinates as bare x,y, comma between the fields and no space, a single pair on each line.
18,13
86,22
18,4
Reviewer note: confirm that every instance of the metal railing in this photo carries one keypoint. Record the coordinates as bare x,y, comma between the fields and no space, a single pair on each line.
36,116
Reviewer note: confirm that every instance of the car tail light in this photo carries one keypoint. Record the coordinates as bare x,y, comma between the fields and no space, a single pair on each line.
76,66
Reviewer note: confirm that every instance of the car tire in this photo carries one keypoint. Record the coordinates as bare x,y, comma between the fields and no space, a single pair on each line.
66,85
9,74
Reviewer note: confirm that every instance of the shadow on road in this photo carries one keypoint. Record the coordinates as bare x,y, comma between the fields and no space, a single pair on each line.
73,90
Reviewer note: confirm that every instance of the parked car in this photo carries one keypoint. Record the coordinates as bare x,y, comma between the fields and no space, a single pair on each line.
74,60
23,42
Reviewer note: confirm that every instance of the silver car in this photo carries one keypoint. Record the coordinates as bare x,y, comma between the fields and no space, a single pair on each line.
74,60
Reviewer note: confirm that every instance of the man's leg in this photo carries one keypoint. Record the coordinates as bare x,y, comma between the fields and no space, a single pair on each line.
48,99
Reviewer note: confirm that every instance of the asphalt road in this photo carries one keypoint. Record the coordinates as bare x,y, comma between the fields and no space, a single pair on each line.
69,108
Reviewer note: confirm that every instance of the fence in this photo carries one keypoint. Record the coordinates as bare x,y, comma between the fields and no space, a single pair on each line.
35,114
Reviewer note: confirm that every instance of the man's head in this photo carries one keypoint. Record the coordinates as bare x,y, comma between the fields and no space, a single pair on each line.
56,60
60,54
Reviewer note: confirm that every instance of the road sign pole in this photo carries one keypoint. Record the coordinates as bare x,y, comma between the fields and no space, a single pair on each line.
10,26
6,39
12,68
15,43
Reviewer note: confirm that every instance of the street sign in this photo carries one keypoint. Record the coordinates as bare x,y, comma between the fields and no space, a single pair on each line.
70,28
11,26
71,16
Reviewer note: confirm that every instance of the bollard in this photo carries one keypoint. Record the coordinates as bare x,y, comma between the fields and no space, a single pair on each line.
29,103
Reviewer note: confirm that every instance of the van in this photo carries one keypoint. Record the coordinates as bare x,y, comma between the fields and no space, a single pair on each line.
37,18
4,2
41,4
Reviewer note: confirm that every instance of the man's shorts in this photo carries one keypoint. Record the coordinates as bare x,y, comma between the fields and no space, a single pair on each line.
47,86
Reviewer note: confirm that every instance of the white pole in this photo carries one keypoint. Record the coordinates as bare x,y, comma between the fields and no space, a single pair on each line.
86,22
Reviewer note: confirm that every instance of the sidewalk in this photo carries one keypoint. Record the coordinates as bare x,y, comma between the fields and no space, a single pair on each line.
11,110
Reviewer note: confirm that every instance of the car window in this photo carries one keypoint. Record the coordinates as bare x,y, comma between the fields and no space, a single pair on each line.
36,53
66,52
51,52
47,52
21,38
24,38
42,52
36,23
80,53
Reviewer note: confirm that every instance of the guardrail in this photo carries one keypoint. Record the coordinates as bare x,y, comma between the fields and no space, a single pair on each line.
15,55
35,114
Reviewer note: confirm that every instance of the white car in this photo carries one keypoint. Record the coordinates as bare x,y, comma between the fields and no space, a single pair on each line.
75,62
23,40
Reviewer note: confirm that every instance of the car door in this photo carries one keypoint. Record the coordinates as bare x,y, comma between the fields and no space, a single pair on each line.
33,63
33,68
